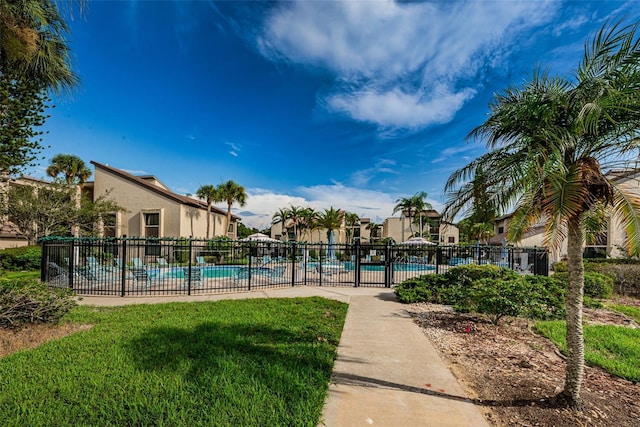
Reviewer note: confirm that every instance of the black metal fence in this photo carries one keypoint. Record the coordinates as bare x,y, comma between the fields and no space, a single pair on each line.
153,266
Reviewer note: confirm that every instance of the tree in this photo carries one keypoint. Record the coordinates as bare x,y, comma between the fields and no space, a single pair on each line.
209,193
412,206
549,142
331,219
231,193
22,106
351,220
33,44
282,215
308,220
34,57
296,216
373,230
39,211
72,168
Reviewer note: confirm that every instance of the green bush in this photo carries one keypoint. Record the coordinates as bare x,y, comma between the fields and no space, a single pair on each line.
536,297
420,289
596,285
626,275
560,267
20,259
24,301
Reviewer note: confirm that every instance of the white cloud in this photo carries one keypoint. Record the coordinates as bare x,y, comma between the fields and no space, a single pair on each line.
398,65
397,109
455,151
382,166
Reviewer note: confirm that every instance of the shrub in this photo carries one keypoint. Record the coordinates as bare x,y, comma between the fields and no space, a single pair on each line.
24,301
560,267
596,285
626,276
20,259
536,297
420,289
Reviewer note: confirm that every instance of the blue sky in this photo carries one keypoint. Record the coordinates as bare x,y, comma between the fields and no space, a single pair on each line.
350,104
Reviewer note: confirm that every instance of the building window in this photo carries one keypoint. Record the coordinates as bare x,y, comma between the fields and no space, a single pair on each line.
109,225
230,230
452,239
152,225
500,230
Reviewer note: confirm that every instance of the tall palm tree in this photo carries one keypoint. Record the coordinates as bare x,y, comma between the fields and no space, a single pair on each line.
373,230
412,206
296,215
73,169
331,219
308,219
231,192
549,142
351,220
74,172
33,43
209,193
282,216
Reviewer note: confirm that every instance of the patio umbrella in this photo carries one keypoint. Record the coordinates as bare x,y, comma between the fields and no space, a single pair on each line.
259,237
417,241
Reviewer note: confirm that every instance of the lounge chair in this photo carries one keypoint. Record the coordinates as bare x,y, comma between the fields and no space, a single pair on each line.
162,262
137,263
200,261
195,277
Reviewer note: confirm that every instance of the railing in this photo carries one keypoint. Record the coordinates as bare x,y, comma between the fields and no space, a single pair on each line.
137,266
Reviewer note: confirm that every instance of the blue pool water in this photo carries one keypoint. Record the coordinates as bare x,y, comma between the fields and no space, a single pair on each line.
212,271
396,267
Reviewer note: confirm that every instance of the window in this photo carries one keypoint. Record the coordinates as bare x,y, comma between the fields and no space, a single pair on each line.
152,225
230,230
452,239
500,230
109,222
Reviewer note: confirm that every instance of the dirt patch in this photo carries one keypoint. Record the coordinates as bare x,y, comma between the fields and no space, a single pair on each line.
511,373
32,335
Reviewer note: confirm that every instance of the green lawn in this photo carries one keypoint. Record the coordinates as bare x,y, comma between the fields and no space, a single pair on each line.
261,362
632,312
13,275
616,349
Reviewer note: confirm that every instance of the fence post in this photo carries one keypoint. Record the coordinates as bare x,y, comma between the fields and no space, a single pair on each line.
438,257
388,265
356,263
293,264
72,263
249,272
189,270
123,268
43,264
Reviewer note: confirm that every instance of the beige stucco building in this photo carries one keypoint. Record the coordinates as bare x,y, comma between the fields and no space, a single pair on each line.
151,209
400,229
610,243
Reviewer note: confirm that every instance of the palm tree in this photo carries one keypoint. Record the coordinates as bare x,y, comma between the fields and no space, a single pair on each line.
75,172
351,220
331,219
281,216
73,168
308,220
373,230
33,43
412,206
209,193
296,215
549,142
231,193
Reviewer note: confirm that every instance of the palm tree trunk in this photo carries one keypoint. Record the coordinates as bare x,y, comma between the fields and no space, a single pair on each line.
226,228
575,289
208,219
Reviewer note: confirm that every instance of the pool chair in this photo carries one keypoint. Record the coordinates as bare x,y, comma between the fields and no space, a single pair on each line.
200,261
96,272
57,276
137,263
162,262
195,277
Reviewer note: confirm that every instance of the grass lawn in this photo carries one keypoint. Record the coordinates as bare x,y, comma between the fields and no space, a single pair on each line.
632,312
12,275
260,362
616,349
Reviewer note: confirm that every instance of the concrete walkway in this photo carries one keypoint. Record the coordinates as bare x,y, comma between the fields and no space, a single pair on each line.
387,373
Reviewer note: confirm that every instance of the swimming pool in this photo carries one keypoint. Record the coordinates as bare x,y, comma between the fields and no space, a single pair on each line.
398,266
211,272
